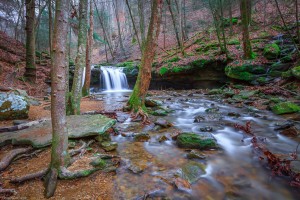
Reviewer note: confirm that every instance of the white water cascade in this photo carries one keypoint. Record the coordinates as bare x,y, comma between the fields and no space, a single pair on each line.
113,79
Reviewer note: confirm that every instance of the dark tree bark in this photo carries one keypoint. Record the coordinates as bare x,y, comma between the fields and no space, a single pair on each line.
30,69
50,25
59,154
174,24
297,21
89,49
80,62
137,98
142,20
245,9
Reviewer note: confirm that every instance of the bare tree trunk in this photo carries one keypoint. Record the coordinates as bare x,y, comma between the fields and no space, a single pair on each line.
76,93
134,27
50,25
30,69
19,18
186,35
115,3
244,7
59,154
230,17
89,50
137,98
297,21
223,28
142,19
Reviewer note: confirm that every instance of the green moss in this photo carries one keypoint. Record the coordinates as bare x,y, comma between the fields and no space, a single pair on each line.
287,59
285,108
287,74
271,51
200,63
194,141
296,72
234,20
163,71
99,163
233,42
174,59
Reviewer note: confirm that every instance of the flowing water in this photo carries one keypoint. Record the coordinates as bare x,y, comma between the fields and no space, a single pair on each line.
232,172
113,79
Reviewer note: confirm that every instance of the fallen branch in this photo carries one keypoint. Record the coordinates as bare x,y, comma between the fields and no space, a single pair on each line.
81,149
21,126
11,155
30,176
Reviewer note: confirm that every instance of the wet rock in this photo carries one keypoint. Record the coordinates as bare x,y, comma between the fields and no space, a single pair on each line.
127,134
233,114
215,91
157,128
175,135
13,106
192,171
212,110
283,125
163,123
142,137
285,107
137,168
163,138
103,137
195,155
291,132
229,93
160,112
109,146
199,119
206,129
152,103
194,141
18,122
182,184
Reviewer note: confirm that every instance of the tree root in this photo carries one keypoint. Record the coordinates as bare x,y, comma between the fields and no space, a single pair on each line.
11,155
143,115
30,176
82,149
66,174
7,191
21,126
30,155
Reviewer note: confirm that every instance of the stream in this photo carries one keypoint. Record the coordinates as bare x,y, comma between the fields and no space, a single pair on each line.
233,171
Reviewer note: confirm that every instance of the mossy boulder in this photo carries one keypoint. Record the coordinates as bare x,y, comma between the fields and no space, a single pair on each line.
109,146
296,72
13,105
194,141
271,51
285,108
160,112
192,171
245,70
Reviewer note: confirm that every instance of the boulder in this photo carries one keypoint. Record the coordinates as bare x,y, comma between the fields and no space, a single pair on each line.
13,106
296,72
194,141
285,108
160,112
152,102
163,123
141,137
192,171
271,51
109,146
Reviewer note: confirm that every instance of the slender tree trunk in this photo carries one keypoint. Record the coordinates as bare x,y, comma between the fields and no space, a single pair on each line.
186,34
134,27
59,153
223,29
89,50
137,98
230,17
297,21
115,3
244,7
142,19
50,25
30,69
165,23
217,25
18,20
76,93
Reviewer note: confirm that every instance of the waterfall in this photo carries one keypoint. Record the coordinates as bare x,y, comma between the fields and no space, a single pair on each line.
113,79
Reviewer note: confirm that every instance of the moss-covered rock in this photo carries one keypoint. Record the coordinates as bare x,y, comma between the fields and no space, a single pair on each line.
13,106
194,141
163,71
244,70
142,137
271,51
109,146
296,72
152,103
285,108
192,171
160,112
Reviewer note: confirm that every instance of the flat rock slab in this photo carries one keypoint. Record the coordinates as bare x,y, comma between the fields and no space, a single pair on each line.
41,135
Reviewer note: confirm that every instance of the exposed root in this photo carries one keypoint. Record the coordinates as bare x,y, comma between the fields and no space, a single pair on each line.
30,176
66,174
82,149
141,114
21,126
51,182
29,155
11,155
7,191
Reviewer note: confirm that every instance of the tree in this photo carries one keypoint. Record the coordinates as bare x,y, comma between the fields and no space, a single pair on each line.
137,99
30,69
76,93
116,7
89,48
59,153
245,9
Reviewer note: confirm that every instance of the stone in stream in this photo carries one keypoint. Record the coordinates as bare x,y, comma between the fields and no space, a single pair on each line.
195,155
13,106
109,146
285,108
163,123
206,129
40,135
141,137
194,141
291,131
103,137
152,103
160,112
163,138
191,171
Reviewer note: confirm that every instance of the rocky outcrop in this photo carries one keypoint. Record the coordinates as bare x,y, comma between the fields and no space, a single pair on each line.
13,105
